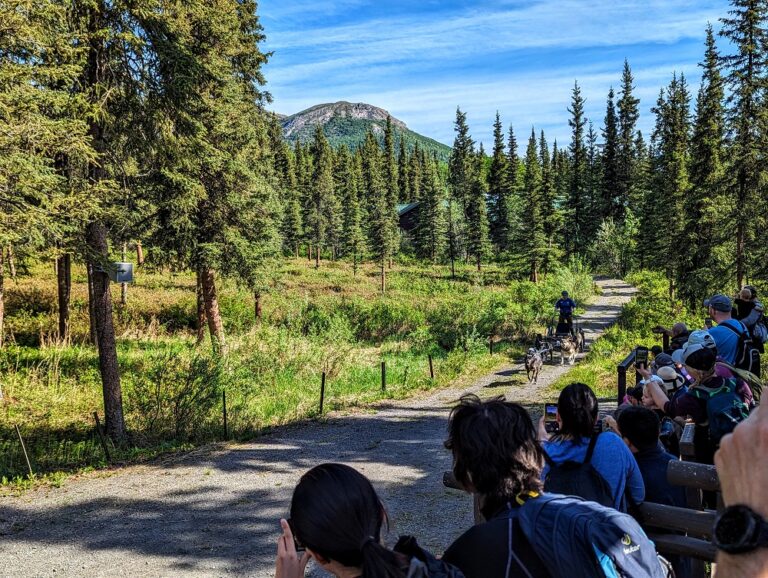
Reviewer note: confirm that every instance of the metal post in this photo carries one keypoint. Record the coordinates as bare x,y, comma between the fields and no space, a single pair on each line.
24,449
383,376
224,411
322,392
102,439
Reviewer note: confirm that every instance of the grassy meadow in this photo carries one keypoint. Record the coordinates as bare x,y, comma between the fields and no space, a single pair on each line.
314,321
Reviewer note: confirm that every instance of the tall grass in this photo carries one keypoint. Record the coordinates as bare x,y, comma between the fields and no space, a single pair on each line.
314,321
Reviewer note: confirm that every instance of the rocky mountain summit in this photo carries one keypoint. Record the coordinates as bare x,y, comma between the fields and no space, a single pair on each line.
347,122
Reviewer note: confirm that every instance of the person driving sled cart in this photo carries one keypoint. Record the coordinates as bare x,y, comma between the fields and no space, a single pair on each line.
565,305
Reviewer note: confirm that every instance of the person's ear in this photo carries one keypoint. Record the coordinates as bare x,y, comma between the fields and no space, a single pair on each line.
320,559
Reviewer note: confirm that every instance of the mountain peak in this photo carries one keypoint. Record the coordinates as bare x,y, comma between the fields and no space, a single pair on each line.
324,113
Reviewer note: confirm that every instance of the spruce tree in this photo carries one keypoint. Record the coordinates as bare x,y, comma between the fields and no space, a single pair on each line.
347,185
745,76
610,206
550,215
498,191
628,115
403,178
379,217
700,269
391,183
462,166
431,213
577,203
323,194
534,239
477,217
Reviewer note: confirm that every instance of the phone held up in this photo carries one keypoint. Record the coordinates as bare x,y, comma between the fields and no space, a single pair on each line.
641,356
550,418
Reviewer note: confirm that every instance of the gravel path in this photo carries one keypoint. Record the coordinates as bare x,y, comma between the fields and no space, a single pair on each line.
214,511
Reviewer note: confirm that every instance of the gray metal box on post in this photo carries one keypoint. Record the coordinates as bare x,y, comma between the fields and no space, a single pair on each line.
121,272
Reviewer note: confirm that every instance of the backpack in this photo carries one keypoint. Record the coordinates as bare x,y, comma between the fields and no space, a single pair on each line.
755,383
747,355
579,479
579,539
725,409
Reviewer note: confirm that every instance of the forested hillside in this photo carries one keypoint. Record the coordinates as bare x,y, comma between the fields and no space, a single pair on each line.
142,128
346,124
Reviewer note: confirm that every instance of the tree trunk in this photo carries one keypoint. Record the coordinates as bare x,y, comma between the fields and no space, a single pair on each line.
215,325
201,320
309,252
383,275
91,306
257,305
479,264
124,286
64,283
11,263
297,250
317,257
354,264
96,241
2,300
139,254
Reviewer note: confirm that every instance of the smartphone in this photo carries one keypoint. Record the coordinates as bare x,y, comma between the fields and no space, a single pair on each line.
708,322
550,418
641,356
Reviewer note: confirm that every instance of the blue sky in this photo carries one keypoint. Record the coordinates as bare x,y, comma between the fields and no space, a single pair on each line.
421,59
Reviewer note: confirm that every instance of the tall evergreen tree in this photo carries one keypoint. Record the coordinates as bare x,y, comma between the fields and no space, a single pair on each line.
550,215
610,183
701,267
347,182
323,221
403,181
379,218
628,115
498,191
462,165
745,75
477,217
393,192
534,239
431,213
577,207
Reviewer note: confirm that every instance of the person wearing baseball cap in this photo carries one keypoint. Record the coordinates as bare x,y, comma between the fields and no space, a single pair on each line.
728,330
699,361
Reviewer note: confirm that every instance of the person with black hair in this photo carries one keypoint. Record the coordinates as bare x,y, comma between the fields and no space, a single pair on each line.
337,517
495,455
529,532
640,427
577,410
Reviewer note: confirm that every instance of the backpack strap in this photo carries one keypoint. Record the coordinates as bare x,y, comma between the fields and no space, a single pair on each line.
591,448
732,328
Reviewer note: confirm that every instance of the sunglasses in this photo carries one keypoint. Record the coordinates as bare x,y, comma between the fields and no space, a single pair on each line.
299,546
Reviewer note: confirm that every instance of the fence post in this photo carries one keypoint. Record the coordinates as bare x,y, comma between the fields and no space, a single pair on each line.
322,392
431,368
405,376
102,439
665,341
383,376
622,391
224,411
24,449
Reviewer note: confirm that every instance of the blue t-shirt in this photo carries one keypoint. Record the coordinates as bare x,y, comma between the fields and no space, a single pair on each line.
565,306
612,460
726,340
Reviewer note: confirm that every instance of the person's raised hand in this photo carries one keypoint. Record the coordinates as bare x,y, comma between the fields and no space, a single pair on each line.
741,466
542,430
288,563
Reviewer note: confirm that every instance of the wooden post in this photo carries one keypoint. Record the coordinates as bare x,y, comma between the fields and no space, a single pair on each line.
665,342
224,411
383,376
431,368
24,449
490,344
101,436
322,392
405,377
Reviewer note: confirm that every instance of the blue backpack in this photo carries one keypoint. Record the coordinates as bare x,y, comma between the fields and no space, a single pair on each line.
725,408
579,539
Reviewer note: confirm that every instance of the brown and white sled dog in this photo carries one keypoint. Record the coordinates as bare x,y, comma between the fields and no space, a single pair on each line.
533,363
568,348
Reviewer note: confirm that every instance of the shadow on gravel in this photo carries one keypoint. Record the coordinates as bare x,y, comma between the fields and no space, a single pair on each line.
220,510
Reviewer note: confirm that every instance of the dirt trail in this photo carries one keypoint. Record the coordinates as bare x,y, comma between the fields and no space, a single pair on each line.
214,512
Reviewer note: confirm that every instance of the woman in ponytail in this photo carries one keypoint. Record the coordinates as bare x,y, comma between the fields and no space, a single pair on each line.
577,410
337,517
